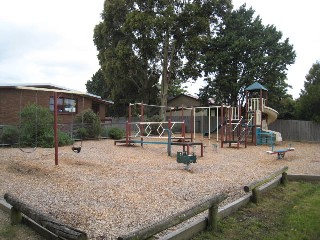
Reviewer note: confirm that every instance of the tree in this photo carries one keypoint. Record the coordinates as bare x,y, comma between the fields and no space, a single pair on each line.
97,85
243,52
309,100
141,42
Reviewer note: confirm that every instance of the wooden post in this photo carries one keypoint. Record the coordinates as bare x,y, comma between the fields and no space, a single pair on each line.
222,126
55,128
127,133
48,222
284,178
141,125
192,123
15,216
213,218
255,198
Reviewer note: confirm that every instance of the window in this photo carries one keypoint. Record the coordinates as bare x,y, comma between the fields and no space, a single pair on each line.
65,105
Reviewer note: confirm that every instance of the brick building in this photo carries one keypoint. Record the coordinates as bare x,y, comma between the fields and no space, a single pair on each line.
14,98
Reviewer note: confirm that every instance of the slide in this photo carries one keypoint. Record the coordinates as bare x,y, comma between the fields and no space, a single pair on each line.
272,116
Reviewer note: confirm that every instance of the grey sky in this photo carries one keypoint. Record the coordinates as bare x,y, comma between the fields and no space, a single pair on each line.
52,41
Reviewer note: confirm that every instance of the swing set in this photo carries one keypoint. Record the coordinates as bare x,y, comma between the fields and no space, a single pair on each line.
74,148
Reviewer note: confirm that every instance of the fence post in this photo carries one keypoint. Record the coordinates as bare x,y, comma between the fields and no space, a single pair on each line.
255,198
15,216
284,178
213,218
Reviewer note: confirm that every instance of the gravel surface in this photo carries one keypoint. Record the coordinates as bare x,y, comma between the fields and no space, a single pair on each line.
108,190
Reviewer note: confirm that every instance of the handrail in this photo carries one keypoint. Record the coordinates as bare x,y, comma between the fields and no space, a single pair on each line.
240,120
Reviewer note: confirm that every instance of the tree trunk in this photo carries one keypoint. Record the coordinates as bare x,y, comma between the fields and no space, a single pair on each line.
165,77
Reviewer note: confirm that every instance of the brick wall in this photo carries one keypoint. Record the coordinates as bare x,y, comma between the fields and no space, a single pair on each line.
13,100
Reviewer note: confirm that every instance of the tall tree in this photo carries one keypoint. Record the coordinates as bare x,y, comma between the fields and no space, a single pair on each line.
309,100
141,42
97,85
246,51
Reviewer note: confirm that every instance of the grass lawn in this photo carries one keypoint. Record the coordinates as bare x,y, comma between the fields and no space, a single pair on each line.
290,212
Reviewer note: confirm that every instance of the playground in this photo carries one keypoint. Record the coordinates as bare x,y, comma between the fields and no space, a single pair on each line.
108,190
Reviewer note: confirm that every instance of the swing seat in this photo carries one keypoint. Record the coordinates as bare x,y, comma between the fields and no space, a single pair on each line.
76,149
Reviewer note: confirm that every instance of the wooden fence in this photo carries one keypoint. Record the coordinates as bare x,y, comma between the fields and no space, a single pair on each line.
296,130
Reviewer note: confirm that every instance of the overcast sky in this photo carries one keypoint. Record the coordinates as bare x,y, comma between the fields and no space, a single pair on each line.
51,41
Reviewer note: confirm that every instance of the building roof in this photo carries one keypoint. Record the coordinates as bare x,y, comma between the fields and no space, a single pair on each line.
256,86
47,87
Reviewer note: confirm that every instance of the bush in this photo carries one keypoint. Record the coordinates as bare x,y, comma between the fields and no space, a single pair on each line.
105,132
64,139
116,133
9,135
90,124
36,127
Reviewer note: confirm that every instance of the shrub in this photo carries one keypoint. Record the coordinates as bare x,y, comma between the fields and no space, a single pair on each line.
64,139
36,127
105,132
89,121
9,135
116,133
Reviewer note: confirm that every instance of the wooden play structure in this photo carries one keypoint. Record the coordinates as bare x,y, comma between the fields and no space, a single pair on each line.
239,128
233,126
147,132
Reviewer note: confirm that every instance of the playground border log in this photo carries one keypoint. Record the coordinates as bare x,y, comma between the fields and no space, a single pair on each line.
212,220
254,186
58,228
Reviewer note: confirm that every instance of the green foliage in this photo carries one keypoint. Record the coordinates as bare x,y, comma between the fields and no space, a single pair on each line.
64,139
37,130
89,122
141,42
309,101
246,51
36,127
290,212
286,108
9,135
8,232
97,85
115,133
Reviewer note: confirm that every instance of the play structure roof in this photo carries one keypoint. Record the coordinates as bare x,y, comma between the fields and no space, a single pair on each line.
255,86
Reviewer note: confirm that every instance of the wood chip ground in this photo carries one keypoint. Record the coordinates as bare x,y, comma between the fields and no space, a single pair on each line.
108,190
